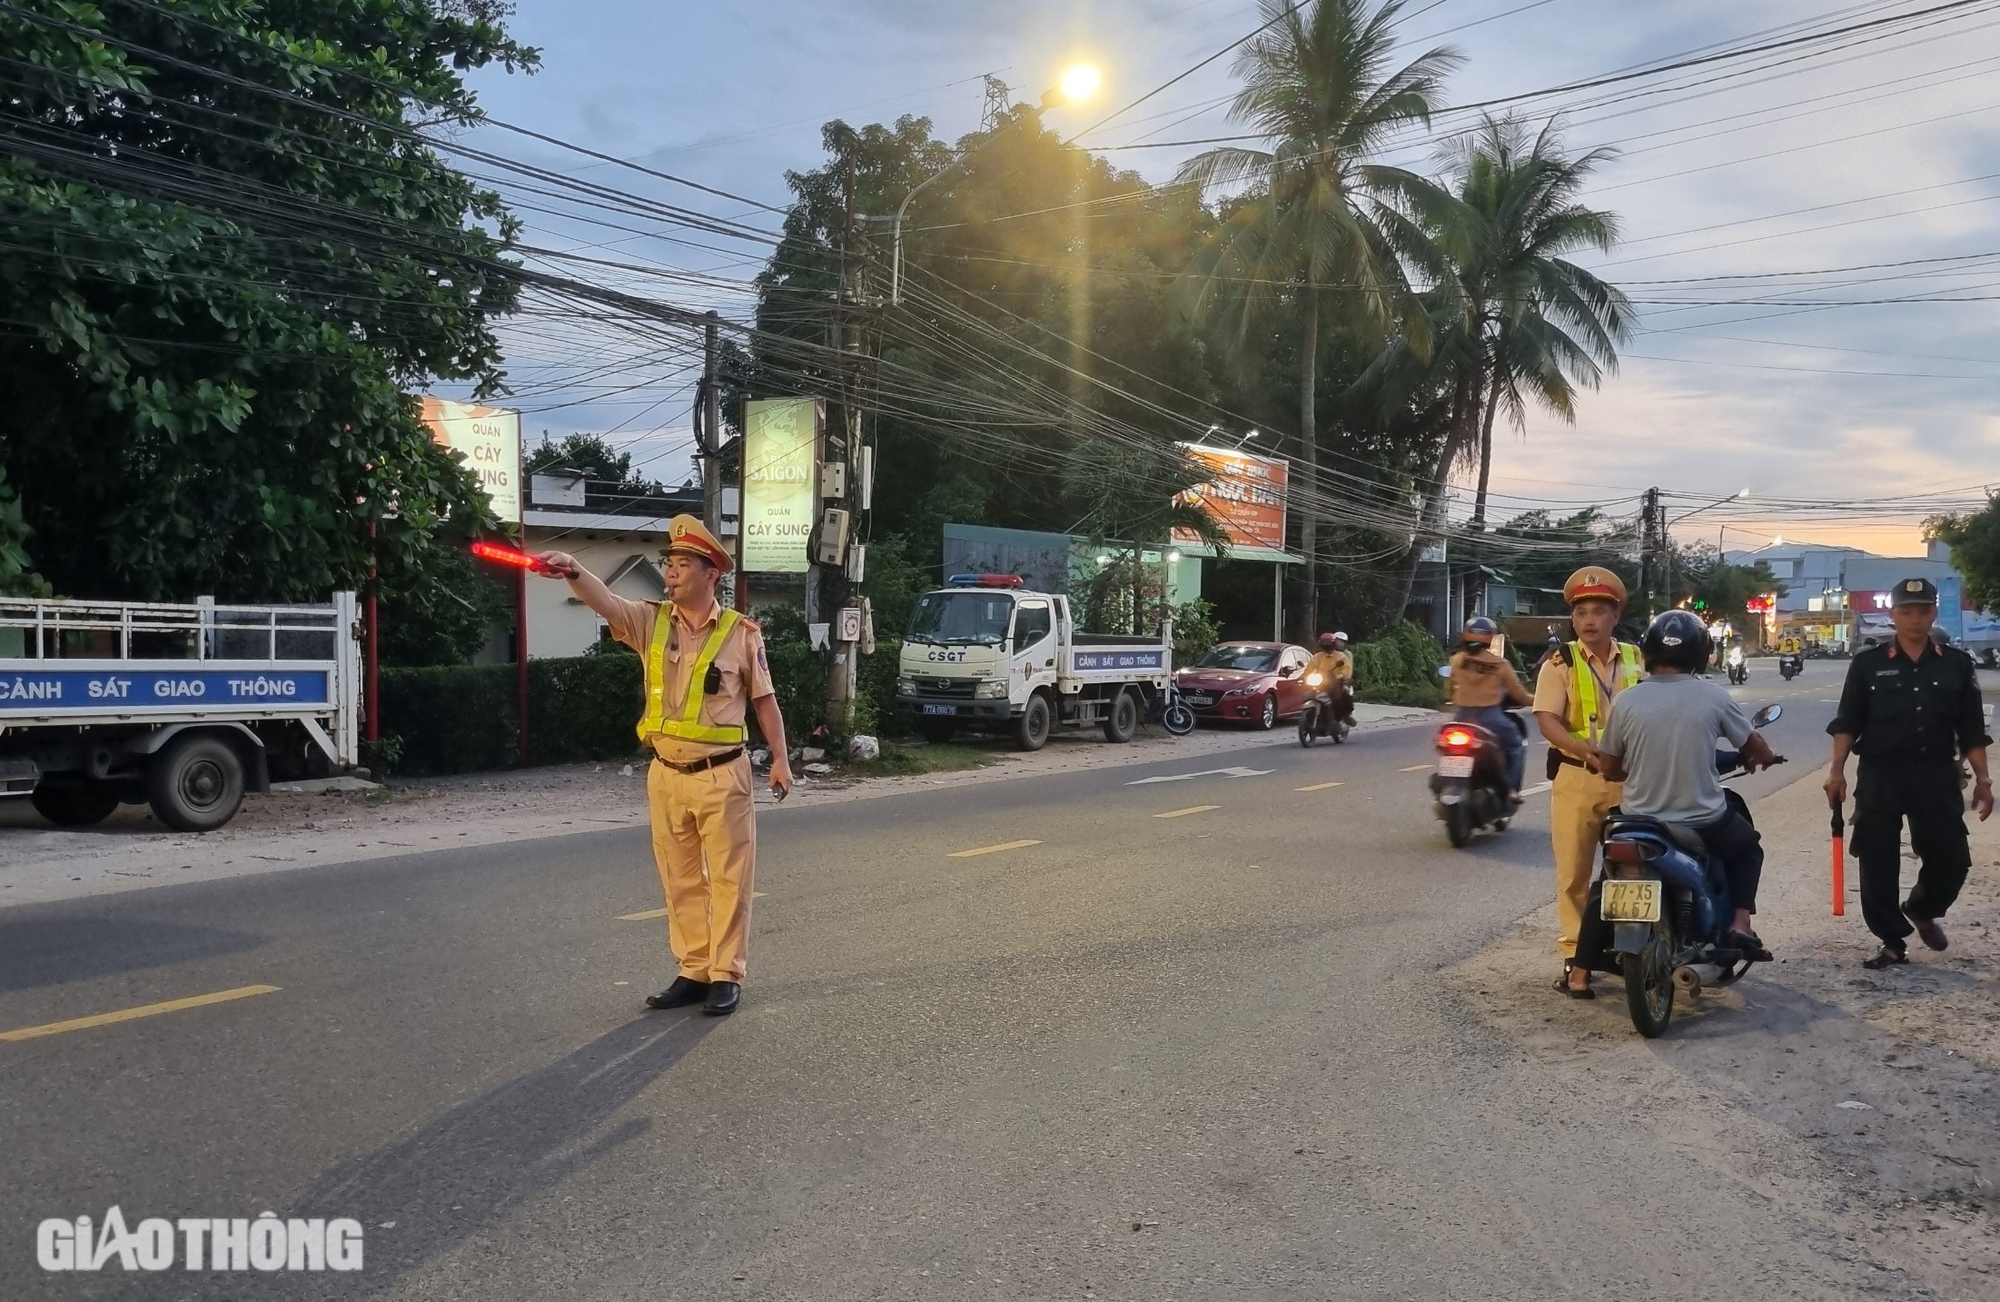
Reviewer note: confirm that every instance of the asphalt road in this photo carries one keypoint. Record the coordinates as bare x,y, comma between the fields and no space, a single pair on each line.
1194,1042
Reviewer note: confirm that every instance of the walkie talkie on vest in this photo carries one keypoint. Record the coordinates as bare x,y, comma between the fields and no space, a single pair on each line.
711,682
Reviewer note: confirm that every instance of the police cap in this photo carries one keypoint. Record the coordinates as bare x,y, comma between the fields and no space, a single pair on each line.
1916,592
1594,582
688,536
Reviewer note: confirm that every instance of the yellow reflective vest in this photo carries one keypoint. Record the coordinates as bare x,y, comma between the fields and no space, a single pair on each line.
1587,714
688,726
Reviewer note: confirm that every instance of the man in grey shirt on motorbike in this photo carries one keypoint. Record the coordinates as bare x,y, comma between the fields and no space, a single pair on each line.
1661,743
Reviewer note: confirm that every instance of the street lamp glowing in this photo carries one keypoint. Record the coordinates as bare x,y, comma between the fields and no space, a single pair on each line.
1080,83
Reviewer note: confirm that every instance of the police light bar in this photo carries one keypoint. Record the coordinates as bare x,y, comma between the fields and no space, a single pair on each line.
501,554
986,581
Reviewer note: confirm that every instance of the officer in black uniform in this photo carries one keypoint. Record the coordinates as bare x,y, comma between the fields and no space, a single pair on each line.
1910,708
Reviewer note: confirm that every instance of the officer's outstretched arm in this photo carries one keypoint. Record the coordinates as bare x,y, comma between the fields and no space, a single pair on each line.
589,589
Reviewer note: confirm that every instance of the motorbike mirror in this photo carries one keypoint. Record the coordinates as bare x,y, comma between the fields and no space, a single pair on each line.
1444,671
1770,714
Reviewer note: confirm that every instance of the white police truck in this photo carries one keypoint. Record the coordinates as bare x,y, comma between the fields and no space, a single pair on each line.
180,707
985,650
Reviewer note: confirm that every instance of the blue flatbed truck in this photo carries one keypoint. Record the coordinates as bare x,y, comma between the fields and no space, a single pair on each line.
180,707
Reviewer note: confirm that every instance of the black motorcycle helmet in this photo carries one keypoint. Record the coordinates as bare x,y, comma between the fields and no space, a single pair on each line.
1677,639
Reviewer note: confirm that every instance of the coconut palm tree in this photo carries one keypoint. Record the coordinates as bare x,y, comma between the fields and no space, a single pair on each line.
1514,320
1541,326
1316,228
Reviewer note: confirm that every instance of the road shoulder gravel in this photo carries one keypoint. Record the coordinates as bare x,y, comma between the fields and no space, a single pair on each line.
1866,1105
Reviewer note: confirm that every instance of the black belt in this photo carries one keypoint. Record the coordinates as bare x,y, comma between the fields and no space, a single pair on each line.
703,765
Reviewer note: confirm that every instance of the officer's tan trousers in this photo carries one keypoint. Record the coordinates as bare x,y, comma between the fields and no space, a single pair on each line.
705,843
1577,806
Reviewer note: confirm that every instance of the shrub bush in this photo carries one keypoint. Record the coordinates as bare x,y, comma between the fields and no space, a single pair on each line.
461,718
1399,668
450,718
583,708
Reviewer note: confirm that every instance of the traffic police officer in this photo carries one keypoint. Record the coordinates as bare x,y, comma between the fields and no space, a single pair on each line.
1573,696
1910,708
705,670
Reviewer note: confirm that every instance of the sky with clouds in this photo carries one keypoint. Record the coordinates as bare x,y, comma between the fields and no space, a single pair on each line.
1883,150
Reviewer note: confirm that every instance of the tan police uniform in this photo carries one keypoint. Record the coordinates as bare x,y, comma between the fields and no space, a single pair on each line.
1578,688
699,786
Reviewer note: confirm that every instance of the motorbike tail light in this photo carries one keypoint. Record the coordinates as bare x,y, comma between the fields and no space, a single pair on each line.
1455,739
1626,857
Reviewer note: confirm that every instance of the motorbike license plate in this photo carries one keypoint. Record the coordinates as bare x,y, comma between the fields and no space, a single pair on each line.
940,709
1455,766
1631,901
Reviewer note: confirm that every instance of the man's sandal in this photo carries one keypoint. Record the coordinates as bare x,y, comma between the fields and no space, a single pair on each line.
1564,987
1885,958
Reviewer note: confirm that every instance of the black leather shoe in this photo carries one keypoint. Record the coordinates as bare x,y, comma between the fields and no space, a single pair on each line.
1931,934
680,994
723,996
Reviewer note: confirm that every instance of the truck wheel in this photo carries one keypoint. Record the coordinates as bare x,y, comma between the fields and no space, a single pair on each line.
73,804
1123,720
195,784
938,730
1031,730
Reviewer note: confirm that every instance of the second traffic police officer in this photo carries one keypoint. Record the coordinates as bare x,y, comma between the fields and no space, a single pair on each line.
704,671
1573,695
1910,709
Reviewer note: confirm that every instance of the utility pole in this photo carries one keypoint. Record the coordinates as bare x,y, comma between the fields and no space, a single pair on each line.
708,427
1650,548
838,488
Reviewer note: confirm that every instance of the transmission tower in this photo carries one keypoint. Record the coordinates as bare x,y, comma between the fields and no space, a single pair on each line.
999,98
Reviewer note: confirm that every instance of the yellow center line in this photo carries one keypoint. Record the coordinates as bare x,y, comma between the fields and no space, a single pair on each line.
1319,786
133,1014
1191,809
1418,768
991,849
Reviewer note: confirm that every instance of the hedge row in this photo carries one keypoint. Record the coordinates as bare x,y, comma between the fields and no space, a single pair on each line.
462,718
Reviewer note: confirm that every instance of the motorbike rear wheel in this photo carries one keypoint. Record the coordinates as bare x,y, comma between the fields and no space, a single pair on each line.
1177,719
1649,983
1458,824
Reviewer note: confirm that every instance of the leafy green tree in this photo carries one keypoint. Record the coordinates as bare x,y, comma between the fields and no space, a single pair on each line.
1516,319
17,576
1544,324
601,464
1320,222
1974,539
1033,374
232,256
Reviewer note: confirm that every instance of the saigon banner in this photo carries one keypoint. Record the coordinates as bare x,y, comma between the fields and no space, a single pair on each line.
780,483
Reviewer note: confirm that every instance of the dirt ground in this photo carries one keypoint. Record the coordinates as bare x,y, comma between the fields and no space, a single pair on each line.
1866,1103
131,851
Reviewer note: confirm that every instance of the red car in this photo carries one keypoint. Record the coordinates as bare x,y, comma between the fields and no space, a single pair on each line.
1247,682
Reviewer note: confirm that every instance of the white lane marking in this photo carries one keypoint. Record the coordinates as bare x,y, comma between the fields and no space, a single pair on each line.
1537,789
1205,773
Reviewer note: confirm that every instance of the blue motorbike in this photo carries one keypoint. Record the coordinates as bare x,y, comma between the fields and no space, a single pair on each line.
1660,907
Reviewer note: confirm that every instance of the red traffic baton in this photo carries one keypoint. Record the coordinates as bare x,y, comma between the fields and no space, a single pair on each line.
502,554
1839,861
